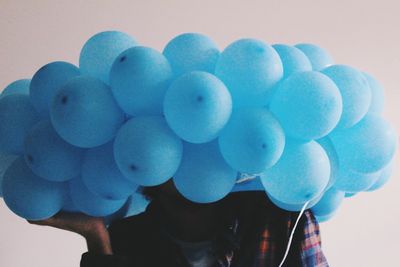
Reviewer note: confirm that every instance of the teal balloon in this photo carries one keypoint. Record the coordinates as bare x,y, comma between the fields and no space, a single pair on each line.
101,175
329,148
322,219
30,196
146,150
100,51
366,147
318,56
329,203
377,94
301,174
5,161
203,175
17,87
85,114
355,91
308,105
47,81
249,68
293,59
49,156
89,203
139,78
383,178
197,106
17,117
191,52
294,207
352,181
252,141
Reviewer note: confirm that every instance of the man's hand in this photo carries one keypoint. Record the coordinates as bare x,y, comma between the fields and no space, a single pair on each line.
92,229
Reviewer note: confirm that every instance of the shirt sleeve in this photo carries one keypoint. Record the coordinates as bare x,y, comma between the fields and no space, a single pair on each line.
311,251
96,260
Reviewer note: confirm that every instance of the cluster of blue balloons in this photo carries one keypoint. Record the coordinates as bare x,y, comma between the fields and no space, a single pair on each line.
86,138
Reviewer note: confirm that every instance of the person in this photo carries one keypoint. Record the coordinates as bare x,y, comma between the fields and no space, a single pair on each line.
242,230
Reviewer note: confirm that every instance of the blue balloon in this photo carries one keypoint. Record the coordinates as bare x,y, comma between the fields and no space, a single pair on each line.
377,94
294,207
203,175
249,68
329,203
329,148
47,81
353,181
101,175
252,141
146,150
383,178
5,161
366,147
139,78
300,175
17,116
85,114
249,184
197,106
17,87
293,59
349,194
68,205
191,51
355,91
30,196
92,204
322,219
308,105
100,51
49,156
317,55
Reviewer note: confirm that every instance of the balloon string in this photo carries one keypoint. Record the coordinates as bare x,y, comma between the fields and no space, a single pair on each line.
292,233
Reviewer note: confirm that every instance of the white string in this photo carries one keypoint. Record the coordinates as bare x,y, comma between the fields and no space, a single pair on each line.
292,233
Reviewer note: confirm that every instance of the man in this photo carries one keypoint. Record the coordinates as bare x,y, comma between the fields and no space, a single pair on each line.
242,230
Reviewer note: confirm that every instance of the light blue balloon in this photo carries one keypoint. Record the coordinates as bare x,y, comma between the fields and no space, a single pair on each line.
366,147
85,114
5,161
30,196
17,117
350,194
318,56
49,156
197,106
293,59
329,148
47,81
146,150
100,51
17,87
329,203
249,68
322,219
139,78
203,175
308,105
301,174
355,91
294,207
253,184
383,178
101,175
353,181
252,141
191,51
92,204
377,94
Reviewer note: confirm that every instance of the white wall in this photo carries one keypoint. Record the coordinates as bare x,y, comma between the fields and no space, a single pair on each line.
364,34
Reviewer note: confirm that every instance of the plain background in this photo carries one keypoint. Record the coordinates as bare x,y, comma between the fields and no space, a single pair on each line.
364,34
